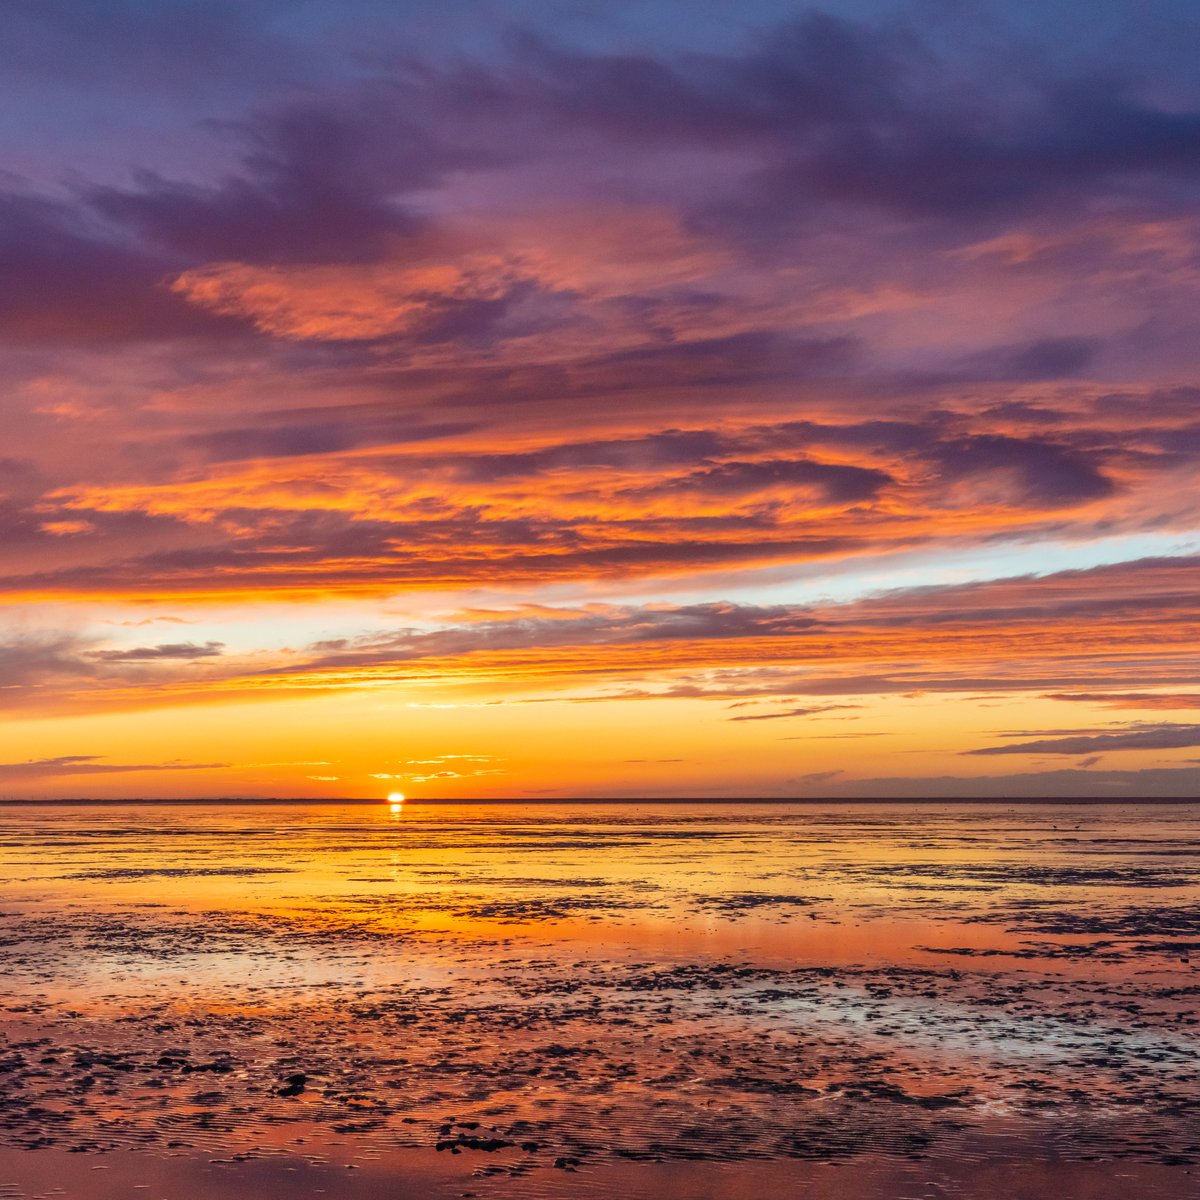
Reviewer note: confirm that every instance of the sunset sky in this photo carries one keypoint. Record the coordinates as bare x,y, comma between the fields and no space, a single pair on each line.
640,398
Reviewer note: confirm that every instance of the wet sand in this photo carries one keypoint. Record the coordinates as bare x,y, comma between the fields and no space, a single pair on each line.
695,1001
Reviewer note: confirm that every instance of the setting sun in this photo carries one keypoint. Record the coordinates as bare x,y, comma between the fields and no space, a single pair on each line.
395,797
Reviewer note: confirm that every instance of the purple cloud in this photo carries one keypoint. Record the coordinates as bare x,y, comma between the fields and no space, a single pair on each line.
169,651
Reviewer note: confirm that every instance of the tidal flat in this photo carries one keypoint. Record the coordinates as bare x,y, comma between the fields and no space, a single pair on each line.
885,1001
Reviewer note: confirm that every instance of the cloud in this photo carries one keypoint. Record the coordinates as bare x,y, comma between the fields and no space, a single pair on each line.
316,185
1023,471
816,777
89,764
1134,737
35,658
49,671
422,304
846,112
394,310
1130,699
685,623
533,258
67,281
276,437
666,502
791,712
1070,783
1050,635
168,651
832,483
1046,358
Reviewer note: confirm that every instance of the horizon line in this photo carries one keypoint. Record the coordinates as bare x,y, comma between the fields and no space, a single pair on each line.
298,801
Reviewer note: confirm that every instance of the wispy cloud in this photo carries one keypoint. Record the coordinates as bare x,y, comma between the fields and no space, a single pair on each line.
791,712
1169,700
1133,737
168,651
90,764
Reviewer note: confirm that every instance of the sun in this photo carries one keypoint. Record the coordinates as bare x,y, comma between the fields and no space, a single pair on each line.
395,798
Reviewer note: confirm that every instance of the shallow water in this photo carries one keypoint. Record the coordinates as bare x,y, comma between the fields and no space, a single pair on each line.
869,1001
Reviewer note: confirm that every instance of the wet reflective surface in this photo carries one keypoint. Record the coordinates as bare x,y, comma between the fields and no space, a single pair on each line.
694,1001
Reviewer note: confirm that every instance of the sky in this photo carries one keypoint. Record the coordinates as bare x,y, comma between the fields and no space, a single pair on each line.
631,399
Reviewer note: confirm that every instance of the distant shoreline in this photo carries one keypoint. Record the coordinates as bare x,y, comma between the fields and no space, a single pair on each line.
284,802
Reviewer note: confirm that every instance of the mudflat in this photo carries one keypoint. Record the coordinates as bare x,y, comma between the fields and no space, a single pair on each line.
688,1000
